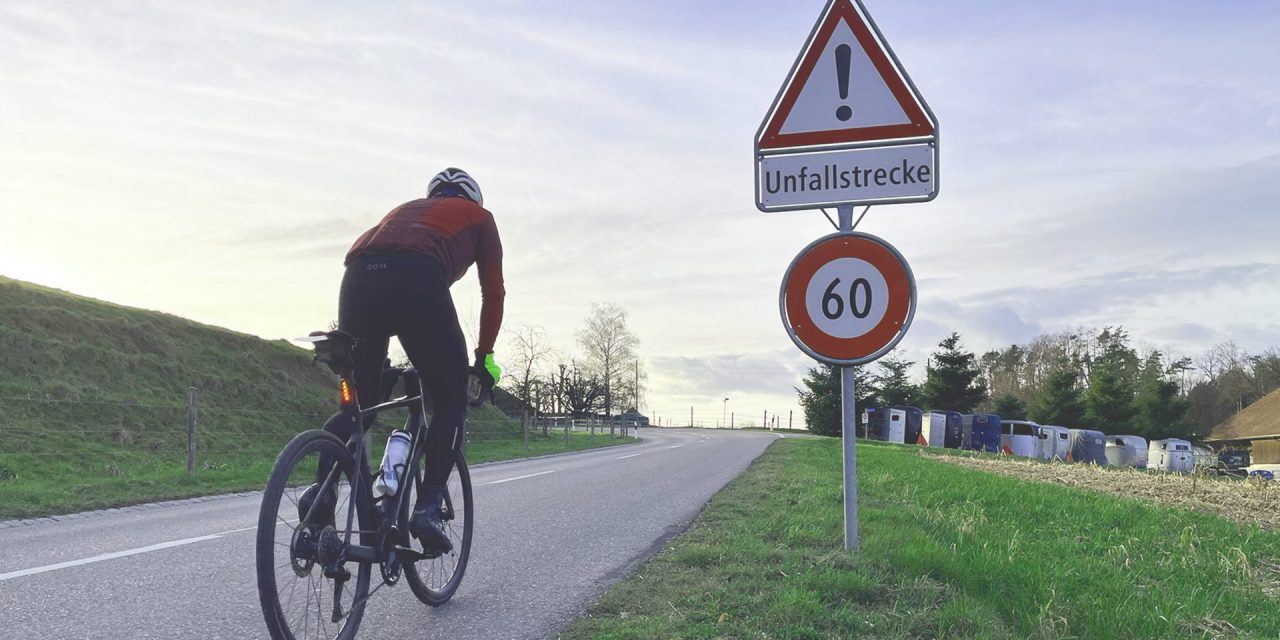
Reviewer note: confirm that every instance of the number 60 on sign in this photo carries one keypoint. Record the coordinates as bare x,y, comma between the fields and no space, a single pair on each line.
847,298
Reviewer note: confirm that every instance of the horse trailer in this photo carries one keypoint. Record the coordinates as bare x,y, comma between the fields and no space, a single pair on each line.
911,425
1127,451
1088,446
1172,454
885,423
1052,443
980,432
942,429
1018,437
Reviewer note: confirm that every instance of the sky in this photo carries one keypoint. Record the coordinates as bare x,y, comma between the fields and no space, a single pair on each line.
1105,164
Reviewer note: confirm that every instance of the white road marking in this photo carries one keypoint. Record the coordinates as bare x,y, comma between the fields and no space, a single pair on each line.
675,446
531,475
107,556
630,456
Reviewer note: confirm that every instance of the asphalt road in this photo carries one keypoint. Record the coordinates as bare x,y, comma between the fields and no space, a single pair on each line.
551,535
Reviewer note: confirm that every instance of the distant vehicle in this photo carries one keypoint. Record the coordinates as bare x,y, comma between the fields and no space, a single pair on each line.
1203,457
1127,451
1018,437
1088,446
1234,459
885,423
1172,454
912,423
1052,442
980,432
942,429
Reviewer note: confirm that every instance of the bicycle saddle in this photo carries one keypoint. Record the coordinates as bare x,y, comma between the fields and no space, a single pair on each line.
334,348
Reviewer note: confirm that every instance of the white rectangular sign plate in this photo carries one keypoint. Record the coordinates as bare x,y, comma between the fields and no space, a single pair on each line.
876,175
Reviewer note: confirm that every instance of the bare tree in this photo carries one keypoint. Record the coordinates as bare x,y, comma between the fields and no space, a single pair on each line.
580,392
610,349
529,352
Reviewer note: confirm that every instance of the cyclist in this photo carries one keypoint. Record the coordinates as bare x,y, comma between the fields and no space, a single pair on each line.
397,283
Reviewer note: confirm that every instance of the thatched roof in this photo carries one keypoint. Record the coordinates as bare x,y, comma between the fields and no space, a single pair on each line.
1261,418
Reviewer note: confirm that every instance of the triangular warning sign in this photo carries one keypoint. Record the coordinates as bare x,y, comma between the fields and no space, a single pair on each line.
846,87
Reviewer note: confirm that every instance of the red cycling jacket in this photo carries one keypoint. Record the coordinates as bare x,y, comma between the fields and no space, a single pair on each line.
458,233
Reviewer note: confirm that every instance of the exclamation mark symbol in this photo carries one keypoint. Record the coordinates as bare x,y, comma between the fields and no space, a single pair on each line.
843,55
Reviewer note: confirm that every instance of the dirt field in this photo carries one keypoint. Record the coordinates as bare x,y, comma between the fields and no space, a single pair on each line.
1252,502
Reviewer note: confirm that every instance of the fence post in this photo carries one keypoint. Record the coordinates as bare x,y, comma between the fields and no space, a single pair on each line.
191,432
524,424
567,423
611,428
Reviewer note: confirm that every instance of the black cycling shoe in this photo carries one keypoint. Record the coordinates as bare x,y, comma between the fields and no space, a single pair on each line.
425,524
323,517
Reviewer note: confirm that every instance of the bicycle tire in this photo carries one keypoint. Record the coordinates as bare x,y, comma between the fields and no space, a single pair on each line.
434,581
278,540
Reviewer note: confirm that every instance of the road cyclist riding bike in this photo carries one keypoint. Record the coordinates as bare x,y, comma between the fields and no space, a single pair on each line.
324,510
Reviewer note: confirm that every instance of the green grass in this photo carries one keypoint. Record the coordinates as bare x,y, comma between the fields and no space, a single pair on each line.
946,552
93,405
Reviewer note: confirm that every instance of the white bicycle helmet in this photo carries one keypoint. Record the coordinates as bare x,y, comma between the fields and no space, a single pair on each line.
461,183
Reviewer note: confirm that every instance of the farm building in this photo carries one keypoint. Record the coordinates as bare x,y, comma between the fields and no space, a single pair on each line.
1257,427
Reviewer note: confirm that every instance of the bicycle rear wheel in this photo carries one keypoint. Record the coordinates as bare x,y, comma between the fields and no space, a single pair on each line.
434,580
299,554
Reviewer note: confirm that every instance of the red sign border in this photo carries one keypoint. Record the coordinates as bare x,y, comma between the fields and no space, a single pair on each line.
862,246
920,124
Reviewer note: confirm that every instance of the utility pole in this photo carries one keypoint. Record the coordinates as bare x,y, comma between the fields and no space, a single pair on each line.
691,416
724,410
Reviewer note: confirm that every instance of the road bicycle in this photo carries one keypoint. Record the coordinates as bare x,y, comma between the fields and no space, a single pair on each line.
314,574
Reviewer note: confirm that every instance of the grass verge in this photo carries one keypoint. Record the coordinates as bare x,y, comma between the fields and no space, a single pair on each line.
96,476
947,552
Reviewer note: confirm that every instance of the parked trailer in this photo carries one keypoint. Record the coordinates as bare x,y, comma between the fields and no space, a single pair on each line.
1088,446
1172,454
942,429
1202,457
1018,437
1127,451
886,423
980,432
1052,442
912,423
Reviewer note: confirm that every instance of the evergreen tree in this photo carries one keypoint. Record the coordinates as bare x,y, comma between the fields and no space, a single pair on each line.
892,385
820,399
954,381
1161,410
1109,402
1009,407
1059,403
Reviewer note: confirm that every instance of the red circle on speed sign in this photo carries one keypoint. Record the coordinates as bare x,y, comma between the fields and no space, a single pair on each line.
848,298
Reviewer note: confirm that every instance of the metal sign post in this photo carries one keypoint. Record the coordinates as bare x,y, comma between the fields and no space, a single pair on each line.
849,425
847,127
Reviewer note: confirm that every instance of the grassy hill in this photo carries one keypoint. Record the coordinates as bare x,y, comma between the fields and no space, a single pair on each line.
93,403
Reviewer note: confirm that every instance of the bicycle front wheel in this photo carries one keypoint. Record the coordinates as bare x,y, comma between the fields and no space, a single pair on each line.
306,588
434,580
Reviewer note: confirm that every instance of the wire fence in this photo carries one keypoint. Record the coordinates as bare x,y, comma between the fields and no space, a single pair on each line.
77,440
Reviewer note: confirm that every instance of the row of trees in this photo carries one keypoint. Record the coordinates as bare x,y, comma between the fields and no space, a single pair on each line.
604,375
1090,378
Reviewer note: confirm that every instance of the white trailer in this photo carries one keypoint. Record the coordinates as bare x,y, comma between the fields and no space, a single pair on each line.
1018,437
942,429
1172,454
1052,443
895,428
1127,451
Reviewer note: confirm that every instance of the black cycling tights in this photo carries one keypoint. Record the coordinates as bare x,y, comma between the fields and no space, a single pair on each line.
407,295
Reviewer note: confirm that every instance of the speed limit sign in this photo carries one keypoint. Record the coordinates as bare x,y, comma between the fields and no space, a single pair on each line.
848,298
